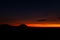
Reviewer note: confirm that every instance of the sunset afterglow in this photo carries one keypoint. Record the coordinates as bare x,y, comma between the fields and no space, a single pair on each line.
43,25
32,13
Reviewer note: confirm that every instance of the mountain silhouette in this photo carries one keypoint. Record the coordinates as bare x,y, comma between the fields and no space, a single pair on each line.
23,27
5,27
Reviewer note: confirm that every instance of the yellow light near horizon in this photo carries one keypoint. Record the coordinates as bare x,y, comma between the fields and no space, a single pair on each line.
43,25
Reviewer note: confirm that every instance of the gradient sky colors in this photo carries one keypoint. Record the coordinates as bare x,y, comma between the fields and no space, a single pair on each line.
15,12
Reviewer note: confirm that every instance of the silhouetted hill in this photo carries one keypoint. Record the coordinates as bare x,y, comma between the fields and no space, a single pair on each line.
4,27
25,28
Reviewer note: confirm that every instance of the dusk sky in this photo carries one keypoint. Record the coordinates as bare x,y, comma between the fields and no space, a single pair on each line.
29,11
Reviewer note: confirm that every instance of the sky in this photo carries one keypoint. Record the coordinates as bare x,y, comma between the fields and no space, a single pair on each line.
16,12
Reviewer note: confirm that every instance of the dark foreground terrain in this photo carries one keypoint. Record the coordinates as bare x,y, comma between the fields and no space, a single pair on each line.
48,33
24,28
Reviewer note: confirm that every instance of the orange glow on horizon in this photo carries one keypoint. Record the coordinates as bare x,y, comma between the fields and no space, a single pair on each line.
43,25
36,24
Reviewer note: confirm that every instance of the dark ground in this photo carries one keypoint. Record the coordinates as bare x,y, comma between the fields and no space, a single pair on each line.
47,33
23,27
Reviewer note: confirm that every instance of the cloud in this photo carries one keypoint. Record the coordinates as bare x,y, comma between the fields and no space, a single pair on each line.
42,20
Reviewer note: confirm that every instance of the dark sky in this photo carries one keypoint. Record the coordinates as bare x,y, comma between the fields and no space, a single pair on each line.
20,11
